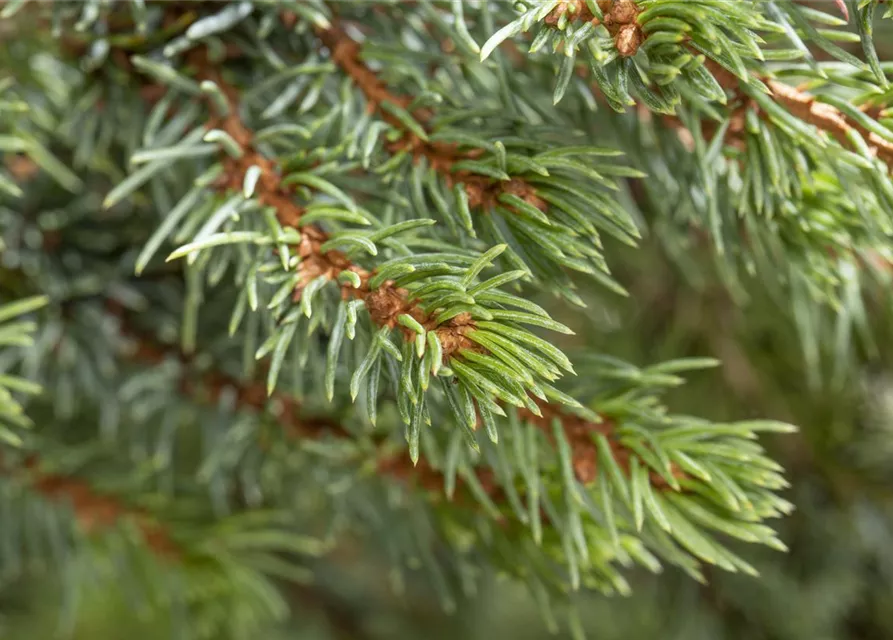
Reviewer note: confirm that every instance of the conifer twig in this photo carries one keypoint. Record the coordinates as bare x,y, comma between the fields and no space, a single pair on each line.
386,303
483,191
829,119
95,511
579,432
809,109
620,18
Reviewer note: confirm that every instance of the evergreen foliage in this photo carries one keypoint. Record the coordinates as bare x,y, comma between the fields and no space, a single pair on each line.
277,275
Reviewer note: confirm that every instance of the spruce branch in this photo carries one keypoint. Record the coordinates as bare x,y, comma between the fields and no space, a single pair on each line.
94,511
97,512
275,225
483,192
386,302
209,386
388,305
831,120
624,473
587,462
546,195
766,127
185,566
810,109
801,104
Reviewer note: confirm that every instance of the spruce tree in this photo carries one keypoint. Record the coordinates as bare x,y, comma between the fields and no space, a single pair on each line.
313,312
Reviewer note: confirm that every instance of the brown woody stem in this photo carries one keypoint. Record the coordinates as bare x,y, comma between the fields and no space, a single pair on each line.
807,108
483,192
828,119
